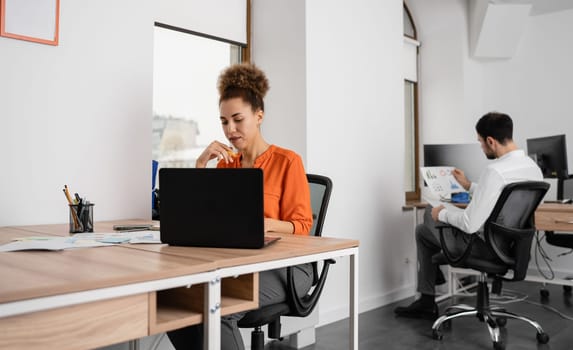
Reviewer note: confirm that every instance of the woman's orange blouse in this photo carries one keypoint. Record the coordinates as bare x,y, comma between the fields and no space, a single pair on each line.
286,191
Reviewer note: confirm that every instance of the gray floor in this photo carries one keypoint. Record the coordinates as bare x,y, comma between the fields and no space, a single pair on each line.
380,329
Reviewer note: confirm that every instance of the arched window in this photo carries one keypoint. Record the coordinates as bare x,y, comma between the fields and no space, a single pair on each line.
410,71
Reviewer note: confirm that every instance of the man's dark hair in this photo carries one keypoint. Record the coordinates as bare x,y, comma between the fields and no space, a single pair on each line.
496,125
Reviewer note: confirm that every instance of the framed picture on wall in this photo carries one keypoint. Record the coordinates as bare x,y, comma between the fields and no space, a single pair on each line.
31,20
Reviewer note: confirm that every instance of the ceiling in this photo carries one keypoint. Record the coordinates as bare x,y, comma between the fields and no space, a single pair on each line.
540,7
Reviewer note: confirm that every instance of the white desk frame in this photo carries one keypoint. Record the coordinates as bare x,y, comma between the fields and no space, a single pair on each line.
212,315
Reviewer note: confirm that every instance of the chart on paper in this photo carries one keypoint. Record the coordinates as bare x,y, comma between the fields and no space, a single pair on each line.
441,181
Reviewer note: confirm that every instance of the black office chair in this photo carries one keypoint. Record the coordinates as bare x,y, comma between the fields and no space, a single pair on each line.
295,305
508,234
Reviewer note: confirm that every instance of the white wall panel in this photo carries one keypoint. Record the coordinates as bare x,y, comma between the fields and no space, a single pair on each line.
222,18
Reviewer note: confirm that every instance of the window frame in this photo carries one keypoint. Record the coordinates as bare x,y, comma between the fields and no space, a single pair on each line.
416,194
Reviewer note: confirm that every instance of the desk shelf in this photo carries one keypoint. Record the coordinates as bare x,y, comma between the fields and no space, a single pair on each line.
181,307
175,308
239,293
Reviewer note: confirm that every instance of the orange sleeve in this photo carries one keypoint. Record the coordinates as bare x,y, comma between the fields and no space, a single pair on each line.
295,201
286,190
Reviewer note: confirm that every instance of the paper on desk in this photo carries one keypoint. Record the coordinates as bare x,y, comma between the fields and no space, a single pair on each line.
49,243
81,240
133,237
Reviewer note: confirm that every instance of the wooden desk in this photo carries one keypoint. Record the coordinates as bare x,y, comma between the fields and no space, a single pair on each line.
554,217
92,297
548,216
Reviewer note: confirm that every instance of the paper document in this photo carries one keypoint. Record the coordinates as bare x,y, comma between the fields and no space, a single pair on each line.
48,243
441,184
80,240
441,181
436,202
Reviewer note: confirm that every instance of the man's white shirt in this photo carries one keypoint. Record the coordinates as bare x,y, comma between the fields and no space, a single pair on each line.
512,167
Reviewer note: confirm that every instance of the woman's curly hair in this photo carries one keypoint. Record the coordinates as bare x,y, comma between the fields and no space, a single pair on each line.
244,80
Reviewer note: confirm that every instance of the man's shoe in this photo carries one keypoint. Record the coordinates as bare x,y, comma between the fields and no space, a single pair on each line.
418,310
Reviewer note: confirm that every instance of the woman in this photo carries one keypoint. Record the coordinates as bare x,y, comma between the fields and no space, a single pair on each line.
242,88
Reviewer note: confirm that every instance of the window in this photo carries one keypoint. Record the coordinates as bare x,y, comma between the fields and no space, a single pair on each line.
185,96
411,159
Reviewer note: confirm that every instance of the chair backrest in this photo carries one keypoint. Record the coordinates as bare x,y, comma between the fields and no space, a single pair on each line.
510,228
320,189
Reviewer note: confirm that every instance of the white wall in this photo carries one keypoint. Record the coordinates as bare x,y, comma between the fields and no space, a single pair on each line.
278,47
532,86
346,58
356,136
78,114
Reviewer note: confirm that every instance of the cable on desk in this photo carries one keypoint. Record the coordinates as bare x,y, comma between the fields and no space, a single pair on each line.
540,251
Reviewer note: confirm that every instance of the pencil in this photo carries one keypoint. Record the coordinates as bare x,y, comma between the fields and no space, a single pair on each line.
73,211
67,193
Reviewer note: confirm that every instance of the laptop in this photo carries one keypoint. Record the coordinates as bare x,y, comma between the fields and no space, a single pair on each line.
207,207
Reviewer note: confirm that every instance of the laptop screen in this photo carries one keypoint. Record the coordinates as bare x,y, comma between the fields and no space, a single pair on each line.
212,207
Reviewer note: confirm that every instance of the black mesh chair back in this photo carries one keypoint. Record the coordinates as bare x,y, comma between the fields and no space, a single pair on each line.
510,228
298,306
508,233
320,188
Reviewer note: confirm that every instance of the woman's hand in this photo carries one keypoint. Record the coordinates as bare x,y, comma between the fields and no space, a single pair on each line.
274,225
215,150
460,177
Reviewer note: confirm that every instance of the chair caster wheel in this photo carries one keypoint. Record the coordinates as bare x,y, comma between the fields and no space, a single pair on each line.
437,335
544,293
498,345
542,338
501,321
567,290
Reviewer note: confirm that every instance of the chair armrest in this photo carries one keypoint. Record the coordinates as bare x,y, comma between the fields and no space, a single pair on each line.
303,306
453,260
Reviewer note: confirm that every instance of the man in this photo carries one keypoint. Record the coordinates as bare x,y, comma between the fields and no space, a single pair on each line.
495,134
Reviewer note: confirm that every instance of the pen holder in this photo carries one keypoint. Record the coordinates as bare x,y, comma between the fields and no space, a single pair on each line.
81,218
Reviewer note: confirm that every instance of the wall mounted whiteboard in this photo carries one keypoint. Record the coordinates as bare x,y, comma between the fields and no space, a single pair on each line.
32,20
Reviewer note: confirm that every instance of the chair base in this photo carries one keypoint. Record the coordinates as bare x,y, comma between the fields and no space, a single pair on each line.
494,317
257,339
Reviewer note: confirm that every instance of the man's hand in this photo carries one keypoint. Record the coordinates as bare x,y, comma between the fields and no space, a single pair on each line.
462,179
436,211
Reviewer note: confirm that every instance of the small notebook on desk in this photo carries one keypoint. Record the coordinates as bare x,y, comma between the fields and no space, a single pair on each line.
221,208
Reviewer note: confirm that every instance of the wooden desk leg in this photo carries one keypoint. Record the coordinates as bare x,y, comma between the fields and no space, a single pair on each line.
354,301
212,316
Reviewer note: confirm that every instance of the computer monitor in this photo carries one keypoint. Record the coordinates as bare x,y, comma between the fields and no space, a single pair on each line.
468,157
550,153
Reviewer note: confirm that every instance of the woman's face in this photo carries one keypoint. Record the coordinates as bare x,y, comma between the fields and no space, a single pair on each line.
240,124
